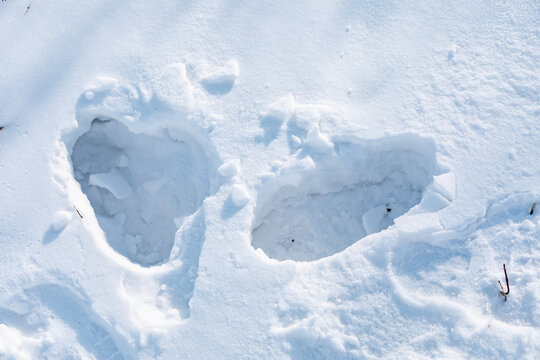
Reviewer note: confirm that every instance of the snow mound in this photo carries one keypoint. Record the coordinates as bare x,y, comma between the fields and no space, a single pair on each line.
138,184
313,209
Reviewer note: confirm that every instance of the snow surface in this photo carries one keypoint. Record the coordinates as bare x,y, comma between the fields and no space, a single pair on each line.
159,158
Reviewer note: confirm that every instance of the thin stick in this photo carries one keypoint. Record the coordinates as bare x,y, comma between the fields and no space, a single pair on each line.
507,284
506,276
77,210
502,289
532,208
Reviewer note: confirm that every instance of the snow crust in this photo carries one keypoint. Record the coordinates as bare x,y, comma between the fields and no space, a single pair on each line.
158,160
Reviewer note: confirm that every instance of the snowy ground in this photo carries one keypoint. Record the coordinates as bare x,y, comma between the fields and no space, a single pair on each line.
277,179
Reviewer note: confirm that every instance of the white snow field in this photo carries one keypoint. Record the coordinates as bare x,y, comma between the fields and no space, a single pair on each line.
269,179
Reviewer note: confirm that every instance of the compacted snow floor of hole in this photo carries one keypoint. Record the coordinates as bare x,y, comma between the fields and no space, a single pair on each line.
139,186
332,208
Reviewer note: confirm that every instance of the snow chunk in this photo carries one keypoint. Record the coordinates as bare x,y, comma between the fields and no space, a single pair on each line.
220,80
303,164
61,219
153,186
239,195
318,142
295,141
418,224
281,110
89,95
230,168
372,219
445,184
432,202
438,194
112,181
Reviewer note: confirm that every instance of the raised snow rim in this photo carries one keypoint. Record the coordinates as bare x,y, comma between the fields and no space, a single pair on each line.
158,124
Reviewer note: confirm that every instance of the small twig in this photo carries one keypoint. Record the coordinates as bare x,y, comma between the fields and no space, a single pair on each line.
27,10
532,208
77,210
502,289
507,284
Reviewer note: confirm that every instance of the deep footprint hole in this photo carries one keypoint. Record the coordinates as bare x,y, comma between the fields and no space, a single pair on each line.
358,191
141,186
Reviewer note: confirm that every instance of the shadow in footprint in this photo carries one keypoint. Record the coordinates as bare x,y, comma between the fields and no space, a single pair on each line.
271,127
180,283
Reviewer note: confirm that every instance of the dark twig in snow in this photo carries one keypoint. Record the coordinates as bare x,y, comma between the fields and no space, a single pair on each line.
27,10
532,209
507,285
77,210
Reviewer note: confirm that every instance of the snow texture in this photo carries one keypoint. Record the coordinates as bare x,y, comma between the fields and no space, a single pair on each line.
269,180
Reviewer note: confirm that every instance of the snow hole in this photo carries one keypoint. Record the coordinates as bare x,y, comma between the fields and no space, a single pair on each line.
140,186
360,189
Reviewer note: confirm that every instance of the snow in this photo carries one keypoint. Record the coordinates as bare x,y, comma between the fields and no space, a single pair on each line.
332,202
239,195
230,168
112,181
137,184
61,220
219,80
278,180
372,219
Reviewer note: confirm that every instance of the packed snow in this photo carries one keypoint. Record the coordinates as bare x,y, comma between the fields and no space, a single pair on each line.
269,180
